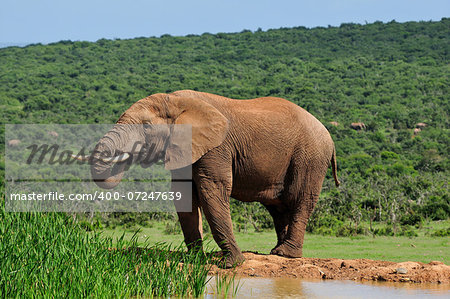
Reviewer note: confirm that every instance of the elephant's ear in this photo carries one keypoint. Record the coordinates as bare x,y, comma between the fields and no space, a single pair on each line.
208,128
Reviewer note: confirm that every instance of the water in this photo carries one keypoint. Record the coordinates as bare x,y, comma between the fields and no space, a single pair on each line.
296,288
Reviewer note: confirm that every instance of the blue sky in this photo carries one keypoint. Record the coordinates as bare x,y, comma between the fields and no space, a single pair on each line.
46,21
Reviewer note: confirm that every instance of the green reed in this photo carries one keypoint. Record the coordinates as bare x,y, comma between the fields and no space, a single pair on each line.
49,255
227,285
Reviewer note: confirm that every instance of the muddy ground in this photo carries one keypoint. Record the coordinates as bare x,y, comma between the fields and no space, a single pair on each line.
259,265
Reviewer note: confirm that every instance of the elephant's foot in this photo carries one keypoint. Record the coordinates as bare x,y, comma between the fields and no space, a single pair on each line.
232,260
194,246
287,251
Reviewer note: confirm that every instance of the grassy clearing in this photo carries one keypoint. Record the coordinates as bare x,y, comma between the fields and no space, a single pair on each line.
397,249
423,248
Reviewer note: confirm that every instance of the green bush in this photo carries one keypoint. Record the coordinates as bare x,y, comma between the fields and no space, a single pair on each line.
172,228
407,231
387,155
411,219
437,208
444,232
383,231
349,230
398,169
90,225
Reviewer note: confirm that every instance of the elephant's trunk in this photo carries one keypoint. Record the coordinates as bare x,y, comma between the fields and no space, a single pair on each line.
107,169
107,175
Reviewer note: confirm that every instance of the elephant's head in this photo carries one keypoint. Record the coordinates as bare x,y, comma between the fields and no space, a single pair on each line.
145,133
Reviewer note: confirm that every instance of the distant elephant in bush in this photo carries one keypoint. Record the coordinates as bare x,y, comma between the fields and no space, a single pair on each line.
421,125
53,134
13,142
358,126
267,150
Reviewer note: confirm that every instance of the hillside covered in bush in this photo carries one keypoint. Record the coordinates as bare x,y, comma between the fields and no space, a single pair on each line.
389,76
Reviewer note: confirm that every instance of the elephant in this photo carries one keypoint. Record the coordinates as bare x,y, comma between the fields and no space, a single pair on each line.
421,125
53,134
13,142
267,149
358,126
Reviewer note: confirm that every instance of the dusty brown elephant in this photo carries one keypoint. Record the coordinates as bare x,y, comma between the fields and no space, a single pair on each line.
267,150
13,142
358,126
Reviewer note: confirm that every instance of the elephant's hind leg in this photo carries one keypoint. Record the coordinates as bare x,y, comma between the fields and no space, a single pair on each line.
280,221
302,196
292,244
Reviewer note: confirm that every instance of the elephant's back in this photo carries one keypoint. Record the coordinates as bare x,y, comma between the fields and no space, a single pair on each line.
270,112
280,111
273,106
264,105
303,130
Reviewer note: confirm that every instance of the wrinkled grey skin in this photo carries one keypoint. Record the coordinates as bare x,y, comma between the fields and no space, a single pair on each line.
125,138
267,150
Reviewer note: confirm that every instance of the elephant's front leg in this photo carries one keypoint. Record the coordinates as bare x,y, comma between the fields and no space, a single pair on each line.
189,214
214,198
191,224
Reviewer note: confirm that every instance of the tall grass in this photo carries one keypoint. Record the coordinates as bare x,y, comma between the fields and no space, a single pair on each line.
227,285
48,255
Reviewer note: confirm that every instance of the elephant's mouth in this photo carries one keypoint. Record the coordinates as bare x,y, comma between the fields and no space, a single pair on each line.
107,172
109,160
150,154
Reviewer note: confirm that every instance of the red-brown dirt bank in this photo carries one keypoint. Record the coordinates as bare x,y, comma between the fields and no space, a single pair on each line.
258,265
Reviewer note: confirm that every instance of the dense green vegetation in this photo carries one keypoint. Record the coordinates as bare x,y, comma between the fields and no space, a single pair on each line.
389,76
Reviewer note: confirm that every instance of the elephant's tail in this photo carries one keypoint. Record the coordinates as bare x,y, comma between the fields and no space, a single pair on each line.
334,168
